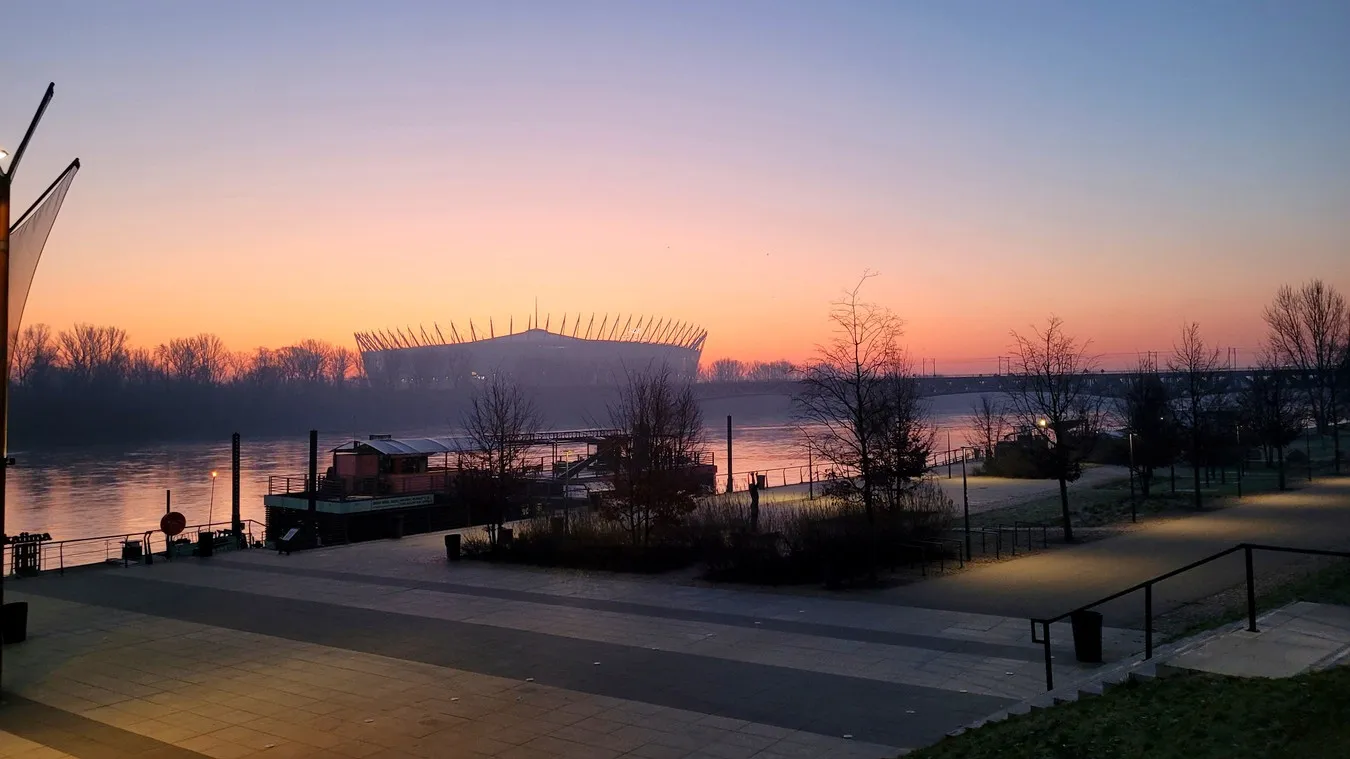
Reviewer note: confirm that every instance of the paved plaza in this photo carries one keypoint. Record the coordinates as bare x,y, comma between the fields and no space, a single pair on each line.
386,649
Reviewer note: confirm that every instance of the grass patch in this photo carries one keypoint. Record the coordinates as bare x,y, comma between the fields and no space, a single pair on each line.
1108,503
1197,716
1328,585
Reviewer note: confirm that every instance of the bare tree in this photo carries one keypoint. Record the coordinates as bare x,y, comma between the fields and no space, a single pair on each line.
498,423
907,436
342,363
143,368
1052,392
770,371
94,354
34,355
726,370
654,459
307,361
845,393
201,359
1150,422
1309,330
1270,411
262,368
988,423
1201,397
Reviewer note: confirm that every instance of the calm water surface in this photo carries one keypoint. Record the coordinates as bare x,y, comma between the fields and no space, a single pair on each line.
107,490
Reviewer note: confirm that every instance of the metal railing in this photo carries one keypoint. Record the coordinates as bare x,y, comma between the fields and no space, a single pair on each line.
108,549
777,477
1147,586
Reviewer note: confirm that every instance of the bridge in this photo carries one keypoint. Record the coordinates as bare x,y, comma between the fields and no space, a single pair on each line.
1105,383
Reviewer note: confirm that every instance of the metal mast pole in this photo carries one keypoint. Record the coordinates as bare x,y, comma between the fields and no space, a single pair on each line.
6,178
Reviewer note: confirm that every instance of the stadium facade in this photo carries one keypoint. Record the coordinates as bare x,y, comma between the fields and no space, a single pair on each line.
572,355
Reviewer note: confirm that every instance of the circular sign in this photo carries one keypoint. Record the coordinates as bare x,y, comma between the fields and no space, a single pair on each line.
172,523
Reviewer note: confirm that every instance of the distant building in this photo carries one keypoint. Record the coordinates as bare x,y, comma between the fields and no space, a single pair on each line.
598,354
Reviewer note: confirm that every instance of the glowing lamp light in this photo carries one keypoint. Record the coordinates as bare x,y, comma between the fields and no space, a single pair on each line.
213,474
1041,423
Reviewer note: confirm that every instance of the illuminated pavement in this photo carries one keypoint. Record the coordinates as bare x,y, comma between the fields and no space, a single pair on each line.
985,493
1052,582
385,649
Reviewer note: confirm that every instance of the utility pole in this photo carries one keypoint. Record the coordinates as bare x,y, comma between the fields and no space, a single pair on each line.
729,481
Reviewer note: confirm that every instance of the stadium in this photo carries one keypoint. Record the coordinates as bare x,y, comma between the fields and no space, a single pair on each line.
571,355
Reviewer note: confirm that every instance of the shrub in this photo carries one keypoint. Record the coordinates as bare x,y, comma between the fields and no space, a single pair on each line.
802,541
826,540
591,542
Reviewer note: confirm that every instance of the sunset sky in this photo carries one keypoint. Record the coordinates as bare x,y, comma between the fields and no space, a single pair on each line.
271,171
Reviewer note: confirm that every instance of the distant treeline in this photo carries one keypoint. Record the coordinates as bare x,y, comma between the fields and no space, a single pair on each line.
87,385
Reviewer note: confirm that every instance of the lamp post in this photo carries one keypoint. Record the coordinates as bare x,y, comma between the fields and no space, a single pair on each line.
1242,458
211,509
1134,517
1307,448
965,499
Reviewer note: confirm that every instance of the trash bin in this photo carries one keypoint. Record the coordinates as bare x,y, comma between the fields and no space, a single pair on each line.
206,544
1087,636
398,526
761,481
452,546
558,525
14,622
504,536
131,550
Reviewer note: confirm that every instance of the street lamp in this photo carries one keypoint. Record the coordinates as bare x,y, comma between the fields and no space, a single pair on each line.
965,498
210,510
1307,444
1134,517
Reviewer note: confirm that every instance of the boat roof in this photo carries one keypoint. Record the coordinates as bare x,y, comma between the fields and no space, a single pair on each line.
425,446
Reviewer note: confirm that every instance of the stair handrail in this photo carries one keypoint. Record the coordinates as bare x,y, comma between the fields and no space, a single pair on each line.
1147,586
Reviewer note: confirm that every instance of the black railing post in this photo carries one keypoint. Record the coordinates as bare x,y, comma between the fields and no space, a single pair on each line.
236,524
1148,621
1049,668
1251,590
313,489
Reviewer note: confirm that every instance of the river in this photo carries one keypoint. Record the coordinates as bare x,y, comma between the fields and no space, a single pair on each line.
76,492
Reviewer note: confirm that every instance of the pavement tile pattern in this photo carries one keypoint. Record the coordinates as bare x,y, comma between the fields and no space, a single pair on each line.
386,649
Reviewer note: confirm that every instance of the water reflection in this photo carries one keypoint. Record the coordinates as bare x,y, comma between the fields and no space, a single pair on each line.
104,490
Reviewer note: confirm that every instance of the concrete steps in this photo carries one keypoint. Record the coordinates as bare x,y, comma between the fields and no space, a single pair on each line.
1132,669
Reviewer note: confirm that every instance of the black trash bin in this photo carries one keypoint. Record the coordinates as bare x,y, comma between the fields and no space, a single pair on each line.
398,527
206,543
504,537
452,546
1087,636
14,622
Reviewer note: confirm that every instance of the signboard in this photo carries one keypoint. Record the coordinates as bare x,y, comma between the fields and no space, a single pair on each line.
172,523
290,534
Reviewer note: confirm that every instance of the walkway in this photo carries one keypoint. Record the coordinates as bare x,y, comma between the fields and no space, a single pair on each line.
1052,582
385,649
